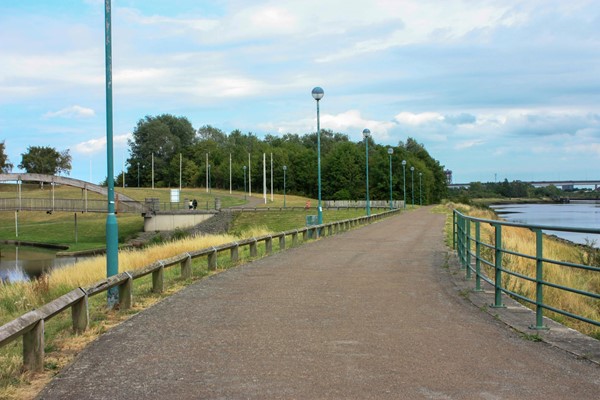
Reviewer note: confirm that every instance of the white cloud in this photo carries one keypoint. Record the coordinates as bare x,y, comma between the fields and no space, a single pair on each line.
71,112
350,122
581,148
468,144
99,144
418,119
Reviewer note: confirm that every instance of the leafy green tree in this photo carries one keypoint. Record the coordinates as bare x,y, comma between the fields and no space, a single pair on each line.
161,138
5,165
45,160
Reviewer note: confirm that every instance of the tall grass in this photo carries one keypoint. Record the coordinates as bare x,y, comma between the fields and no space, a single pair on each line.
523,241
20,297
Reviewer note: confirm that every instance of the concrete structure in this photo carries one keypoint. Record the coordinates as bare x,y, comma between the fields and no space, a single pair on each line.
171,220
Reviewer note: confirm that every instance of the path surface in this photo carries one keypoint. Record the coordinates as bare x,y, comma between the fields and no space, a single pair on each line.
368,314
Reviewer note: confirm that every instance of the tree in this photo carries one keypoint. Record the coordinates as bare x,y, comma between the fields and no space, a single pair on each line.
163,138
45,160
5,165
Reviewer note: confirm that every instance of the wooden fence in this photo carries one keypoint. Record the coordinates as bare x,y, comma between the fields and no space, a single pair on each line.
30,326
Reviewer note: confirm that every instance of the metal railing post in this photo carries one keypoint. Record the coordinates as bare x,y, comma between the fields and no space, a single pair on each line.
478,257
458,238
498,267
539,278
454,229
468,249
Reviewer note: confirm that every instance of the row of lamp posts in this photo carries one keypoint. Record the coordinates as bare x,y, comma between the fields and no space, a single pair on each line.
318,94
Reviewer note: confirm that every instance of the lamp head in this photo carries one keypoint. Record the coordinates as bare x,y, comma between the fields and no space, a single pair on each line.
403,163
366,133
390,151
318,93
412,168
285,167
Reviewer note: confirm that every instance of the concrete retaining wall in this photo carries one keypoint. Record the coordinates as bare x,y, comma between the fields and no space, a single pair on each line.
170,221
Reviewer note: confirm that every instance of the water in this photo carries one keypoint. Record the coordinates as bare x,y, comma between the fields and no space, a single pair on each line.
21,263
574,215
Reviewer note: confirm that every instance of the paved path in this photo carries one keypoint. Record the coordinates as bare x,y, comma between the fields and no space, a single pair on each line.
368,314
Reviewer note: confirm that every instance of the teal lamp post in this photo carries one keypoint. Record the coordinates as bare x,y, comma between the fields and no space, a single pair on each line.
412,184
420,189
244,182
209,189
366,134
317,94
404,180
284,170
112,229
390,152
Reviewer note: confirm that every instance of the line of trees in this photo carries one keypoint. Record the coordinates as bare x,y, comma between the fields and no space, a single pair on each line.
514,189
166,138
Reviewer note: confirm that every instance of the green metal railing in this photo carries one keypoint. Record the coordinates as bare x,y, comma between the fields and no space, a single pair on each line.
473,253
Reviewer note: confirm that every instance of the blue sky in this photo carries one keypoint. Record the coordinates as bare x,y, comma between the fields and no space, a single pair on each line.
493,89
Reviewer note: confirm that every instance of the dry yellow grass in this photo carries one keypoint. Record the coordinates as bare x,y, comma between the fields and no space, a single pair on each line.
92,270
523,241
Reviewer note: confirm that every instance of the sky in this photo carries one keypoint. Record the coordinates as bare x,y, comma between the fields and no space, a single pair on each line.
495,90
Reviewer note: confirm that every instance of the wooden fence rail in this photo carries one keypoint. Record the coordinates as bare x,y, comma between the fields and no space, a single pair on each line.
30,326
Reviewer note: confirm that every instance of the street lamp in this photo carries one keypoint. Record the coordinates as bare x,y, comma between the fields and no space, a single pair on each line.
209,190
412,184
420,190
138,174
366,135
112,230
404,180
284,169
390,152
244,182
317,94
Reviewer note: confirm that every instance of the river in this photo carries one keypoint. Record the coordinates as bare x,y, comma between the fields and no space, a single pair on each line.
577,214
20,263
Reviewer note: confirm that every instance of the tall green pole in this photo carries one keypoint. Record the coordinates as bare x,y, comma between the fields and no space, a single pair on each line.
112,230
420,190
366,135
317,94
412,184
319,210
390,152
284,170
404,180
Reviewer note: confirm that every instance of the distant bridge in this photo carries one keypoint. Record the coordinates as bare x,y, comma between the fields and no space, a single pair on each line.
123,203
564,184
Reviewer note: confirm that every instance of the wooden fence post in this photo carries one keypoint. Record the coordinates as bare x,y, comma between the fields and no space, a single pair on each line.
80,314
186,267
269,245
212,260
158,279
282,242
253,250
234,253
295,239
126,293
33,348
